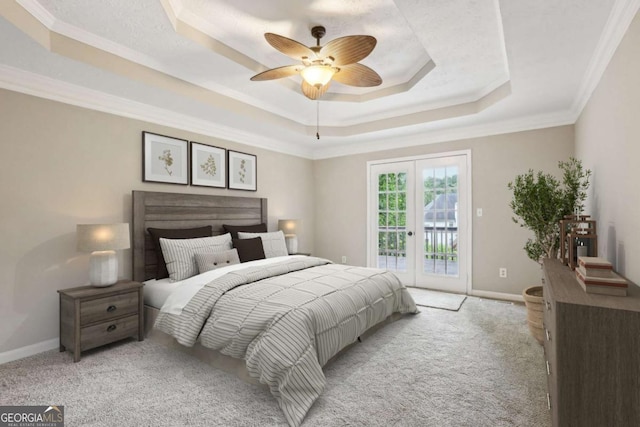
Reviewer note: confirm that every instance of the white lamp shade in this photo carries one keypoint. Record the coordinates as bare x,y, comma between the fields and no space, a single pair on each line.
289,226
102,237
102,240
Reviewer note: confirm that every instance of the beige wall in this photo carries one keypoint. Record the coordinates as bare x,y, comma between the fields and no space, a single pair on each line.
608,142
63,165
341,212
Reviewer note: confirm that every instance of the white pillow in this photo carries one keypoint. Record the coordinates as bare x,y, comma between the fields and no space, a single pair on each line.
272,243
179,254
211,261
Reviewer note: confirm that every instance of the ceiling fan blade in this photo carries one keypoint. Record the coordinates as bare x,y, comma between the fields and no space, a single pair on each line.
357,75
349,49
313,92
291,48
277,73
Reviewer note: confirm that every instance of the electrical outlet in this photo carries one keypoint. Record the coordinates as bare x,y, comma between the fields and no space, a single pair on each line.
502,273
344,259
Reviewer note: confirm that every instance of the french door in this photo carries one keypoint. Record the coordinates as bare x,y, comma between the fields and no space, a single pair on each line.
419,220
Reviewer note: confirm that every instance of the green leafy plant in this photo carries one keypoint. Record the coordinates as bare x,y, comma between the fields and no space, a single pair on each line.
540,201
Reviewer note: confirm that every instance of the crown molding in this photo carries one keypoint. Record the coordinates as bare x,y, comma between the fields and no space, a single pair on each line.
560,118
39,12
45,87
140,67
620,18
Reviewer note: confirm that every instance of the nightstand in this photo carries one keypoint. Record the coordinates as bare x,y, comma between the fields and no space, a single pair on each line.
91,316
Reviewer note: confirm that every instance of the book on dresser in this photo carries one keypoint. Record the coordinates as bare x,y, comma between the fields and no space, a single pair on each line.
596,276
595,266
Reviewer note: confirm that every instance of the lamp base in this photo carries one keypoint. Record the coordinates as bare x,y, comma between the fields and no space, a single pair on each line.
103,268
291,240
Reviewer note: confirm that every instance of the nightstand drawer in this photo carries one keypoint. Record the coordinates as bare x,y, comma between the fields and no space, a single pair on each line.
107,308
107,332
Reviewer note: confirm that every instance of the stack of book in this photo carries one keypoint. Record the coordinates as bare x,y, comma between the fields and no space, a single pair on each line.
596,276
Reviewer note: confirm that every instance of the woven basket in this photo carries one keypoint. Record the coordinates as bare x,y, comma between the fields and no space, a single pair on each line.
533,300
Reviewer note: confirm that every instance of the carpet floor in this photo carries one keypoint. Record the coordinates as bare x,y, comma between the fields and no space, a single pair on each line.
475,367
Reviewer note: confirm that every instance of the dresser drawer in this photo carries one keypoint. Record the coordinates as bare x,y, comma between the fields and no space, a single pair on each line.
102,309
107,332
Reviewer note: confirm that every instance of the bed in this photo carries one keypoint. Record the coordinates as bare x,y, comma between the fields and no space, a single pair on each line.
275,321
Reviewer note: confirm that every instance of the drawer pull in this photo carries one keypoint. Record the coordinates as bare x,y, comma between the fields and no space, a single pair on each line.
111,328
548,368
548,402
546,331
111,308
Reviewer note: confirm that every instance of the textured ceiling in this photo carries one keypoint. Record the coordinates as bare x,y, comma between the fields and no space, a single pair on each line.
445,64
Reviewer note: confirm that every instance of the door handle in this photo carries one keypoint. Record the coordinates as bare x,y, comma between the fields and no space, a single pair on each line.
410,233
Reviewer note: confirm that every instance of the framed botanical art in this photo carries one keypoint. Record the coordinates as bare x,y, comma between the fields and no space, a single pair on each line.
165,159
208,165
243,170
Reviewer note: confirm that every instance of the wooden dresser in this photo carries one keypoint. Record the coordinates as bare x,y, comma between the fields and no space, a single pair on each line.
592,351
92,316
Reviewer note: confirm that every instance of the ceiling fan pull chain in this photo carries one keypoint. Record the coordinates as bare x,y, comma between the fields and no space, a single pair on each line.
318,119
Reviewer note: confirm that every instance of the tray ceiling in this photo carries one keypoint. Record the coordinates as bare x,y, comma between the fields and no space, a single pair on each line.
446,65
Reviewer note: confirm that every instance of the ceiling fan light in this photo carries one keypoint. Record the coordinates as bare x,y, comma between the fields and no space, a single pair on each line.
318,75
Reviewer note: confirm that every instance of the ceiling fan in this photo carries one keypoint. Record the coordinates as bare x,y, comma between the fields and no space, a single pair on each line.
337,60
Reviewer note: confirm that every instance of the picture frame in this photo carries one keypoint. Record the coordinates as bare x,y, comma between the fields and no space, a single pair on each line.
242,171
164,159
208,165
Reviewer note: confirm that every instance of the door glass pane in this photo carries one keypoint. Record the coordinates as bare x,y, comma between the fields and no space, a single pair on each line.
392,217
440,189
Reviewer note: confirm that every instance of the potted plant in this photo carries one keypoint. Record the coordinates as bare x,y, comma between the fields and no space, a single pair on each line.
540,201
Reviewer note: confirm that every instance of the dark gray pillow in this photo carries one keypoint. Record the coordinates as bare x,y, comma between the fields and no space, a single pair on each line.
173,233
249,249
234,229
211,261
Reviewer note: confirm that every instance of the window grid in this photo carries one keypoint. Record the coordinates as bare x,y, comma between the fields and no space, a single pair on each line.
392,217
440,231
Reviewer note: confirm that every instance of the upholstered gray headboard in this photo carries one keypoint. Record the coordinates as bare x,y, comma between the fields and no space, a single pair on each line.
177,210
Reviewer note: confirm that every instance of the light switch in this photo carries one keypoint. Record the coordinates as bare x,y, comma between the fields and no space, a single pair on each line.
479,211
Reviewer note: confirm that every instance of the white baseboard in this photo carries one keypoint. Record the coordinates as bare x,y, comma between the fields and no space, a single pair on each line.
30,350
497,295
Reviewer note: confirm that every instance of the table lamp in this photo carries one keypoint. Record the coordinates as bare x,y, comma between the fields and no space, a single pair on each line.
289,227
102,240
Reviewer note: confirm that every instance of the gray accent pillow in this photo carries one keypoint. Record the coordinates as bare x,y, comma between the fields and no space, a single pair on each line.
211,261
180,253
272,243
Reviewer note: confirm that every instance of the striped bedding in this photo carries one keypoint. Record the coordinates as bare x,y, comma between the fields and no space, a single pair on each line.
287,320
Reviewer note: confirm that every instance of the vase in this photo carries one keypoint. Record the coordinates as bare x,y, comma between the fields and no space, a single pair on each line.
534,302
